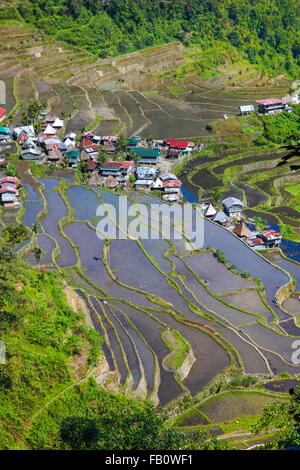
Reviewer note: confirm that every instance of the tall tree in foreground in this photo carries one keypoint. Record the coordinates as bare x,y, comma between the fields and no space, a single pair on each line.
285,417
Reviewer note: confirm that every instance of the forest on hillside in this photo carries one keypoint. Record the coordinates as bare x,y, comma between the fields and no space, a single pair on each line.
266,32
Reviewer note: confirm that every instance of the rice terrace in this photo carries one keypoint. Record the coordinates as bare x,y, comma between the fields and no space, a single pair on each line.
206,333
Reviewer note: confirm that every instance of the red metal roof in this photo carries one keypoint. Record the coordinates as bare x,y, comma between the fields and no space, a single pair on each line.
92,148
9,179
270,234
22,138
124,165
254,241
171,183
85,142
269,101
8,189
52,147
179,144
2,112
91,165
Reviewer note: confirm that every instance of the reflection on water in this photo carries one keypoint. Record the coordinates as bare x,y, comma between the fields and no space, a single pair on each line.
290,248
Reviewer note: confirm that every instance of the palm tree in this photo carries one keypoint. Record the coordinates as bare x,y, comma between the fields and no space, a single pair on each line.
37,251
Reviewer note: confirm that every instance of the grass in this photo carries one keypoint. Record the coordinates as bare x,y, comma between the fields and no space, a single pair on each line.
178,348
230,406
43,337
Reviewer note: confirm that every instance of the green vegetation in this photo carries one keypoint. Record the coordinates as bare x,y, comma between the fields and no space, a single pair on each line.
90,418
266,33
43,337
178,346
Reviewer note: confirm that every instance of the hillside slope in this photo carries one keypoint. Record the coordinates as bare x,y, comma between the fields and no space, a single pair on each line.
264,31
48,345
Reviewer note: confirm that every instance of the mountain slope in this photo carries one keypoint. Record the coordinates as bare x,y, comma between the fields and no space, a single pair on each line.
264,31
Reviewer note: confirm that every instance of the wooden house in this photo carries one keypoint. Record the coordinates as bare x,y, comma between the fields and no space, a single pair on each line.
147,156
233,207
2,114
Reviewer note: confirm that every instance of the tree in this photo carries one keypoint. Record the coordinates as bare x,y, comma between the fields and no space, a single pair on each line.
101,156
15,235
37,251
217,195
133,426
283,416
79,433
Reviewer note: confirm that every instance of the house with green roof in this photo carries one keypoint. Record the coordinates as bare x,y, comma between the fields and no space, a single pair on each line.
5,134
147,156
72,157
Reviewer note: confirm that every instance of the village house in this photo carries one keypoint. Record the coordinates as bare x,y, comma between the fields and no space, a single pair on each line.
209,211
9,192
109,138
254,241
110,182
132,143
2,114
143,172
90,151
3,162
247,109
96,180
147,156
51,144
72,158
173,153
5,134
169,185
271,238
31,154
28,130
242,230
110,147
58,123
50,119
50,131
119,170
221,218
54,156
182,145
233,207
143,184
271,106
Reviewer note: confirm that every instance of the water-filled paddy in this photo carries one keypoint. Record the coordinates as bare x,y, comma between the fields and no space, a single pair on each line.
268,339
56,211
218,278
232,405
281,386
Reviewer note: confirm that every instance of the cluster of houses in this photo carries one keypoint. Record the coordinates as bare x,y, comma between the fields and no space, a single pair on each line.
231,217
99,155
258,240
9,192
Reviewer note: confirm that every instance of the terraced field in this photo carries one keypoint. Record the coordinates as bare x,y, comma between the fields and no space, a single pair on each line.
261,181
125,93
169,290
179,320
